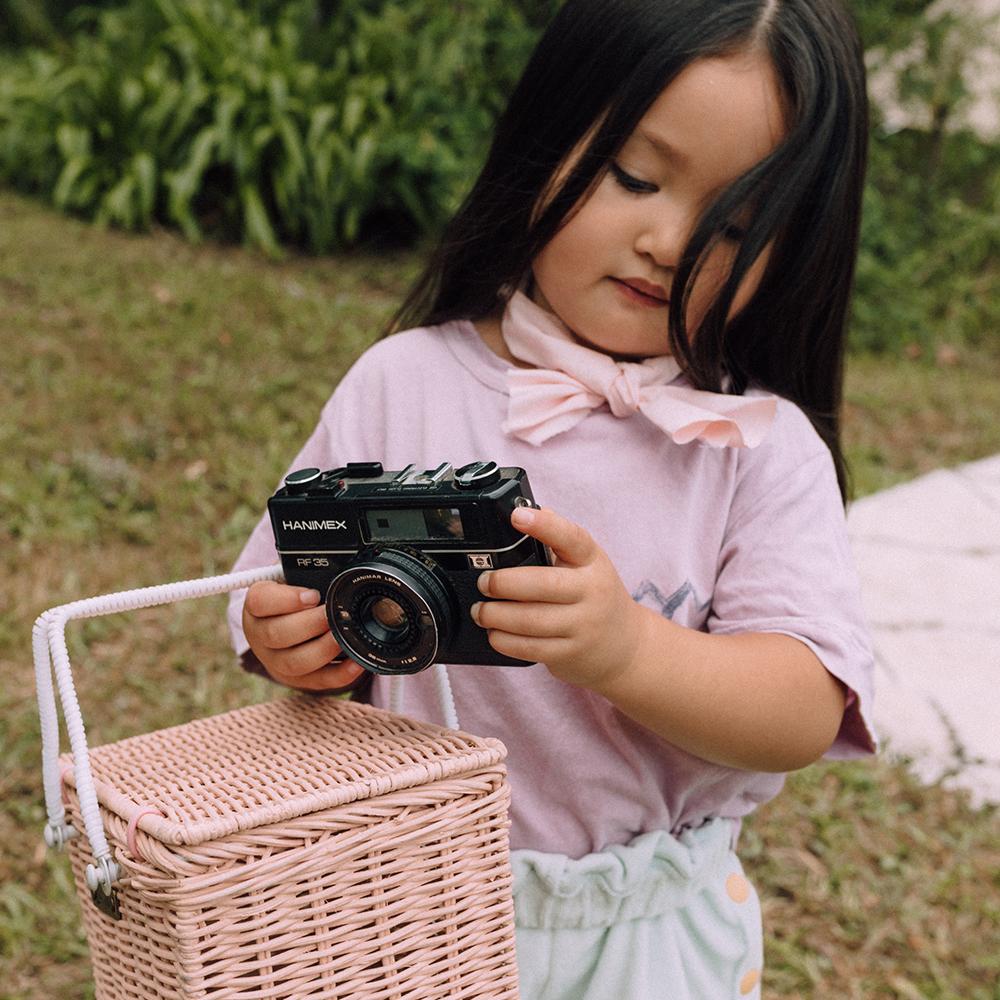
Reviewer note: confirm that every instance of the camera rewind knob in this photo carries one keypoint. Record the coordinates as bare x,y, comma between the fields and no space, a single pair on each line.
476,475
300,480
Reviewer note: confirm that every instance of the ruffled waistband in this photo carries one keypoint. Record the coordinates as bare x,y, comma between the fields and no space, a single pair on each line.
653,874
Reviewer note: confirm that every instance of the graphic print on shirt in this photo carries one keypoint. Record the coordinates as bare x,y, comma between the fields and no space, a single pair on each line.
652,597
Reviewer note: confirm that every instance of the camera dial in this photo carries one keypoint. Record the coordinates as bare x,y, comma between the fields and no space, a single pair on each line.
301,480
478,475
391,610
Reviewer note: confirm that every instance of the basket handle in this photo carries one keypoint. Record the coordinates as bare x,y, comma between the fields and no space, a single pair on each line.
50,653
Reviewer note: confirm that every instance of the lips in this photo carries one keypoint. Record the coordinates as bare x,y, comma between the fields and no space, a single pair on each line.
631,293
647,288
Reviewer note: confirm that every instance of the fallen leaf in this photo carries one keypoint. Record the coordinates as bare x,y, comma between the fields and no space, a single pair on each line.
946,356
905,988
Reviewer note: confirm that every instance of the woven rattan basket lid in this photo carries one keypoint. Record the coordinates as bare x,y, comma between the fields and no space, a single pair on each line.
273,762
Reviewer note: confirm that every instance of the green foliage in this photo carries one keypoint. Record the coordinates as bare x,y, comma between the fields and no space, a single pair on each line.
889,23
41,22
23,22
317,123
930,237
279,122
930,243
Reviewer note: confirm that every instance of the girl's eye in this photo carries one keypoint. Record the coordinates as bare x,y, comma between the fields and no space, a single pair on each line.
732,232
630,183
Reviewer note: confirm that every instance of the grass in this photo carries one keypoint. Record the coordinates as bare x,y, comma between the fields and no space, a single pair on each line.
152,393
903,418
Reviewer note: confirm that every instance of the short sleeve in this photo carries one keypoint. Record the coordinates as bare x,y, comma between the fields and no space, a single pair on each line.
786,566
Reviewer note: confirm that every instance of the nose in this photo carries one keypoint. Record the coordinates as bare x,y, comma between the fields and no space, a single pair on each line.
662,235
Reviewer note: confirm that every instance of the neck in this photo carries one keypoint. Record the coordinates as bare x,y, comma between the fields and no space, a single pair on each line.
490,332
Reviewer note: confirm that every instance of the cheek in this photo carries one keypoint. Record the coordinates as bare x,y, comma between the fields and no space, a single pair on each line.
577,249
568,256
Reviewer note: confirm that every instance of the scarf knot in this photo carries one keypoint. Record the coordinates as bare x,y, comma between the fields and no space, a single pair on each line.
569,380
623,393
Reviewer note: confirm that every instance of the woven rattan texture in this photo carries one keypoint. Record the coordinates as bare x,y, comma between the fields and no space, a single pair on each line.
394,884
269,762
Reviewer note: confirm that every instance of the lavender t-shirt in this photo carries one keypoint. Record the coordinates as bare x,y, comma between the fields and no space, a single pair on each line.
722,540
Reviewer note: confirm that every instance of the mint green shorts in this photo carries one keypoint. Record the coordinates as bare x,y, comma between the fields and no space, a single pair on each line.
660,918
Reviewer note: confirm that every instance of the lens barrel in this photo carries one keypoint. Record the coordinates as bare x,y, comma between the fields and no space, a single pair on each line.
391,610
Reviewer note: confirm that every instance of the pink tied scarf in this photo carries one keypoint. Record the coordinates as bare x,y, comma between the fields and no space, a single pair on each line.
570,380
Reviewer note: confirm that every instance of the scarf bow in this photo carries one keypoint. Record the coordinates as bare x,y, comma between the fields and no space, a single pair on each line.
570,380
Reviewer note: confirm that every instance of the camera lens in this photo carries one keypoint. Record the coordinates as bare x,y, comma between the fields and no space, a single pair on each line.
385,618
391,610
388,614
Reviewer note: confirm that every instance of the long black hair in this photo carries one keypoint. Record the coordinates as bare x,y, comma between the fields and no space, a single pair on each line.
607,61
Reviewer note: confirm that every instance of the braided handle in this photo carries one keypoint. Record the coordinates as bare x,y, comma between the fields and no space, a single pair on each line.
50,653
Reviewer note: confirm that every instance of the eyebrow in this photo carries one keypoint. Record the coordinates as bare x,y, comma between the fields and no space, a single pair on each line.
663,146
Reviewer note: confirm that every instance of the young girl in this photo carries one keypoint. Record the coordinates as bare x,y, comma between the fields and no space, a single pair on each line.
642,302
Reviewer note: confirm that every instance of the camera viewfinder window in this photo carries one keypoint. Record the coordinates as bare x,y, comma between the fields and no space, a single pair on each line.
415,524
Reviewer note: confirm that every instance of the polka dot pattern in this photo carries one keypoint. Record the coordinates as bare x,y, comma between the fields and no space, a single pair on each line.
749,981
737,888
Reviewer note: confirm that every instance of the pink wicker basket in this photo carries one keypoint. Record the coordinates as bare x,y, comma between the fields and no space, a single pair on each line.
307,847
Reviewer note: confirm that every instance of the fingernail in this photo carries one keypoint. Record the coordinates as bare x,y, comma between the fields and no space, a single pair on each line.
474,611
483,583
523,516
309,596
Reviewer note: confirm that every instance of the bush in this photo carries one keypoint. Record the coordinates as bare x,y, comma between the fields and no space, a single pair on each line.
930,237
929,245
316,123
888,23
280,122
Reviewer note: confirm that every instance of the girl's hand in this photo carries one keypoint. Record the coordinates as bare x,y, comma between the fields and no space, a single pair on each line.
288,632
576,617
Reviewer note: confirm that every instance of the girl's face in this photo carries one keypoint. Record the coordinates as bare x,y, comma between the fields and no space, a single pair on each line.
608,272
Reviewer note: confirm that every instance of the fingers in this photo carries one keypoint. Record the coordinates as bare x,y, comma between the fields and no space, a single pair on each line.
546,621
570,543
548,584
275,615
529,647
308,667
536,601
293,639
268,597
284,631
297,669
303,658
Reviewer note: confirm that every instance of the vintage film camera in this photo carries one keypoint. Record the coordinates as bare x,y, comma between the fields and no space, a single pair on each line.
397,554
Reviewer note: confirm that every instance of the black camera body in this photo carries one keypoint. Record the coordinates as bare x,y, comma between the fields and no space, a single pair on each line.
396,556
